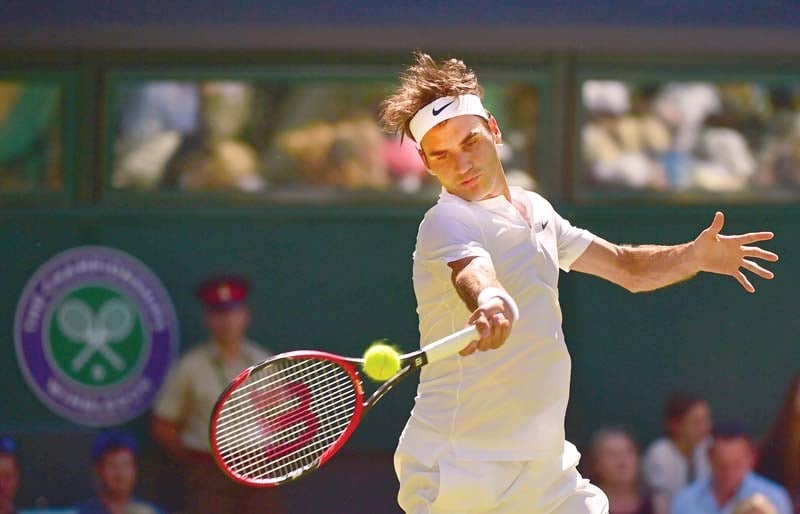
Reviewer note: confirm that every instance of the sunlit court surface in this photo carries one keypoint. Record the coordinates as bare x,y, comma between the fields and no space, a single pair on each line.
192,191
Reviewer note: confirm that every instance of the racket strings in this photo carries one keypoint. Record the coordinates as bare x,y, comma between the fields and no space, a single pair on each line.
287,411
284,417
267,396
296,424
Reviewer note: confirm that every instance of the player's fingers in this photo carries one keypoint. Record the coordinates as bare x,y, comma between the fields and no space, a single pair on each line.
754,237
739,276
486,329
759,253
500,326
758,270
481,323
717,224
505,329
469,349
489,342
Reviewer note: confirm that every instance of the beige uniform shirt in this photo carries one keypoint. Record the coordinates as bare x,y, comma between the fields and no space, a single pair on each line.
193,386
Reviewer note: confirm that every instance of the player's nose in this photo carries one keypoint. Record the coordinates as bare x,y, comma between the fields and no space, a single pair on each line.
464,163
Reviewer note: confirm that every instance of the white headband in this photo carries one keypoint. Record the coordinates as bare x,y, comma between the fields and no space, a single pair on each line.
443,109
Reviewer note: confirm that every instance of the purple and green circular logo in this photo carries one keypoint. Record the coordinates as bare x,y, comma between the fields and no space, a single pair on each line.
95,335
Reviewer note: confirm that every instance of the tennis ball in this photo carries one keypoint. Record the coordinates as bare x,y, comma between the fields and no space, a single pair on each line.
381,361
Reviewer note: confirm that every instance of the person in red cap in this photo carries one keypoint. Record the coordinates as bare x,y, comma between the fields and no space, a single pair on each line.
183,408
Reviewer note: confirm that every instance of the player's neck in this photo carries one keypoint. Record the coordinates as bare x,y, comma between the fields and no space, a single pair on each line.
500,186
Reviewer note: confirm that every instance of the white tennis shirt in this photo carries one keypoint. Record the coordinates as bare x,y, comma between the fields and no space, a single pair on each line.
509,403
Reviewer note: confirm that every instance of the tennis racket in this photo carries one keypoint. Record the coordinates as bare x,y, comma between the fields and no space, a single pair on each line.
286,416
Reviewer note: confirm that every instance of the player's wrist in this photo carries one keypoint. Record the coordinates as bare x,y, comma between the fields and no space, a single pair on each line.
496,292
693,258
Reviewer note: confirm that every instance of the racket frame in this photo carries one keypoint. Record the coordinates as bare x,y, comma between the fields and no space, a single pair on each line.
409,362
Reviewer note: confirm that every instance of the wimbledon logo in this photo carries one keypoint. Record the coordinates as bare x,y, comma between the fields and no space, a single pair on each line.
95,335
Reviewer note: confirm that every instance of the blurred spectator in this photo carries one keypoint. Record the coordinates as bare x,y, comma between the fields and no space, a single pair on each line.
30,137
183,409
347,154
156,118
691,136
403,161
614,468
732,480
779,458
115,455
681,457
684,106
315,137
219,158
724,162
779,164
622,139
9,475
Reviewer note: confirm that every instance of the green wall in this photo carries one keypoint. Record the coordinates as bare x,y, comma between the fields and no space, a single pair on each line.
337,278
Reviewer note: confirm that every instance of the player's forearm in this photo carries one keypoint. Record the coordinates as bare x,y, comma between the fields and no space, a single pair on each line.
650,267
473,278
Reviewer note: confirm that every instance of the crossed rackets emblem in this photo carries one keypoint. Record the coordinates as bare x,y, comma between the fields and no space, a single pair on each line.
113,323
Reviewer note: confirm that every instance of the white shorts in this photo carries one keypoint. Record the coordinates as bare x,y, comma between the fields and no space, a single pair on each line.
458,486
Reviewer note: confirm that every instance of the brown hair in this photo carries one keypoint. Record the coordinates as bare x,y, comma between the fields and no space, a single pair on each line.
422,83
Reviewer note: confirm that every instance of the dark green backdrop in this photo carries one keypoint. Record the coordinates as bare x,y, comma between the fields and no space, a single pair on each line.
336,278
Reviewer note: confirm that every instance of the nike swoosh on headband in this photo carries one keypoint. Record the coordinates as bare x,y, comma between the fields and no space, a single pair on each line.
429,116
436,112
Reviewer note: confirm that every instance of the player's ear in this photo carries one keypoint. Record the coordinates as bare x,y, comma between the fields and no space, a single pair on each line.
494,128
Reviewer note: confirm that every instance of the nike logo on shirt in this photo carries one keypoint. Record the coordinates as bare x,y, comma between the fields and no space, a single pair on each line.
438,111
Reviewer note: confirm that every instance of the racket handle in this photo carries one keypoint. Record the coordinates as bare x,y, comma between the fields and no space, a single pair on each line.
447,346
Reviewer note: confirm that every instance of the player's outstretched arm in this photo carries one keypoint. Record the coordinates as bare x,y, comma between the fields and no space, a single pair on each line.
644,268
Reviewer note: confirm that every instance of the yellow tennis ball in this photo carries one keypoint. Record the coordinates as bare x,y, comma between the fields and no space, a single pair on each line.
381,361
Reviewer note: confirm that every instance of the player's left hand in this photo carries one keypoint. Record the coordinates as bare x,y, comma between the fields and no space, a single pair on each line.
727,255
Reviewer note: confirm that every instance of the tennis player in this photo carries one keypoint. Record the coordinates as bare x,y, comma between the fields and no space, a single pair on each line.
486,434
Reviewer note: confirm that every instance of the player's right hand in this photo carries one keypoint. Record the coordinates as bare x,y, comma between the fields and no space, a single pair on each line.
493,320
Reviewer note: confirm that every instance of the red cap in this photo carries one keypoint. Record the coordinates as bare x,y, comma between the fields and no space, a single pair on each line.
223,292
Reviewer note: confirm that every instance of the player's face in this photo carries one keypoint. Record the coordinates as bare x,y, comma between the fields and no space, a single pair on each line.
9,479
617,461
116,473
461,152
731,460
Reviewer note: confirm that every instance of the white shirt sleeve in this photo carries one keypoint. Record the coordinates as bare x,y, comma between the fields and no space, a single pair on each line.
449,233
571,241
